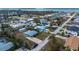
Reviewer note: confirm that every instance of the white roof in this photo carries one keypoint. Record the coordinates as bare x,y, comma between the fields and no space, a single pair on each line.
40,27
16,25
76,20
30,19
22,29
72,32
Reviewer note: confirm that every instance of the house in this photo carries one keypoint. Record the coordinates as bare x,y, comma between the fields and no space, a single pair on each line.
31,33
73,28
71,33
76,20
31,23
23,21
22,29
5,45
43,22
72,43
30,19
40,28
16,24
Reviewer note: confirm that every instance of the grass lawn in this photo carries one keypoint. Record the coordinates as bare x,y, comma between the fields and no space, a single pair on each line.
42,35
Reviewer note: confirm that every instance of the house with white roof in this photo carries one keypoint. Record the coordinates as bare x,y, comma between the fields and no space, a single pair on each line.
31,23
71,33
16,23
22,29
30,19
76,20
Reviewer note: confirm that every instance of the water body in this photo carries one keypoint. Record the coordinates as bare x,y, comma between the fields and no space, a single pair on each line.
44,9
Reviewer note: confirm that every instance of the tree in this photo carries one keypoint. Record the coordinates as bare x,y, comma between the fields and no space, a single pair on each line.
56,43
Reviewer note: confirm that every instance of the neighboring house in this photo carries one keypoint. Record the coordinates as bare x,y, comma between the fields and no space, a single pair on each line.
31,23
22,29
72,43
23,21
76,20
5,45
31,33
40,28
71,33
73,28
30,19
16,24
43,22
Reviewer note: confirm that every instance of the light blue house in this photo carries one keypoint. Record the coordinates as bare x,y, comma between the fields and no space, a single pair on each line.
5,45
40,28
31,33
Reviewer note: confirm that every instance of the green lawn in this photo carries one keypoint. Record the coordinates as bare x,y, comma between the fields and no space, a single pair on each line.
42,35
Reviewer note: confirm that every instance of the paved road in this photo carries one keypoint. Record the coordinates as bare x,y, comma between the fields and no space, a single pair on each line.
41,45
